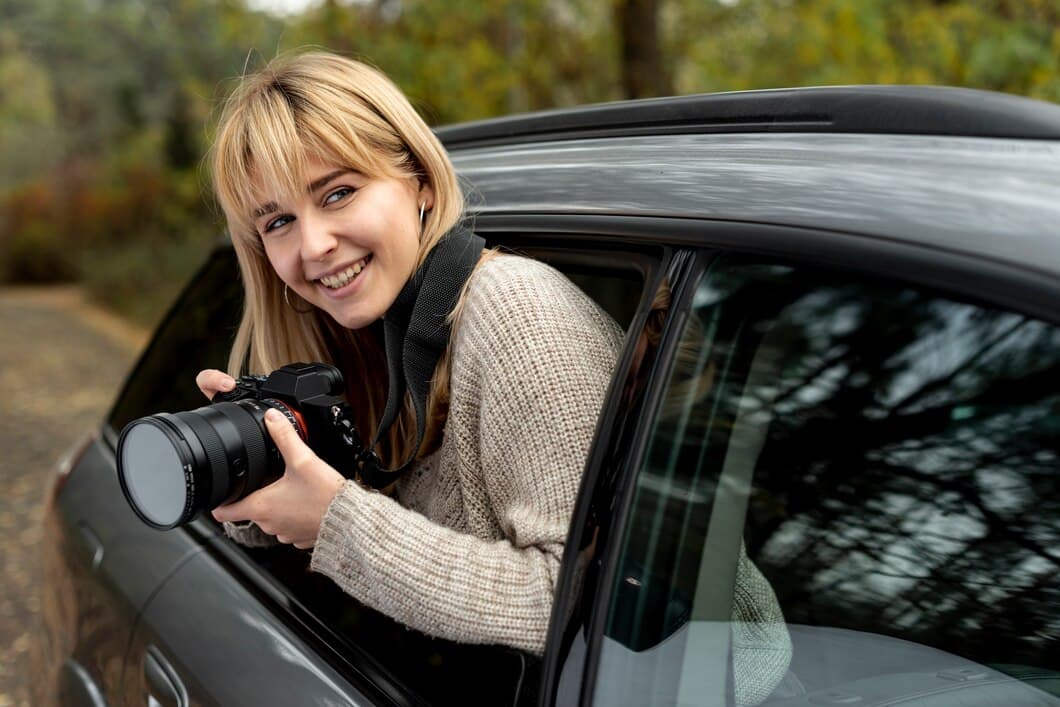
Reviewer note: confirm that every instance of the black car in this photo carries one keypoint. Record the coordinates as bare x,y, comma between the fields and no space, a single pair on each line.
842,357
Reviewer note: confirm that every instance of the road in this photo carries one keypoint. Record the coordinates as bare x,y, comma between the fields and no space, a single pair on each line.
61,362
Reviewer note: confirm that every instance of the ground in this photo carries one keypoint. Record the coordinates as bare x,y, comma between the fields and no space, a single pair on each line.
61,363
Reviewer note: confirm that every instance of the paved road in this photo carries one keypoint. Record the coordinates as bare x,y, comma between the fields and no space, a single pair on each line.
60,364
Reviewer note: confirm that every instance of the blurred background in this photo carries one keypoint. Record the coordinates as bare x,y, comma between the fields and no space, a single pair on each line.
106,106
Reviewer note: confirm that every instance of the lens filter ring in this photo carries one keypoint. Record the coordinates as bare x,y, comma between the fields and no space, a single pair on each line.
196,444
155,464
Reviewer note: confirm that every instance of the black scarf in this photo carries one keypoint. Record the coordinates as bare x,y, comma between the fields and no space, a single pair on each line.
416,332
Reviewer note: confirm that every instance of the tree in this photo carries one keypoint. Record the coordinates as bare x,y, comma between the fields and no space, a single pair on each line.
28,119
645,72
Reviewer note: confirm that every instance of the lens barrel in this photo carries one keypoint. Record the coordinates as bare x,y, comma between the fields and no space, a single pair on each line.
172,466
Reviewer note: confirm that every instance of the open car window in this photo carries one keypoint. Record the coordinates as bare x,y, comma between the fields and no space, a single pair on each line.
198,333
850,496
420,667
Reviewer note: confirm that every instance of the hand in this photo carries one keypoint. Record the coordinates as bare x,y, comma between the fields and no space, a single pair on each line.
211,382
292,507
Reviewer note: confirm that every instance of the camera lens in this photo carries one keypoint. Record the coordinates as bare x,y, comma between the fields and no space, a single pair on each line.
153,477
172,466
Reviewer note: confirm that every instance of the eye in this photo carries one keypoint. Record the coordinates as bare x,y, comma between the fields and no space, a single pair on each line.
278,222
337,195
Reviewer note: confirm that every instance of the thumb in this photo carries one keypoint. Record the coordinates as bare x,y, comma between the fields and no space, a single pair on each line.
294,451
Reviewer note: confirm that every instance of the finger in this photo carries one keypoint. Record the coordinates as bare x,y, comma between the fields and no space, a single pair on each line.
294,451
252,507
231,513
211,381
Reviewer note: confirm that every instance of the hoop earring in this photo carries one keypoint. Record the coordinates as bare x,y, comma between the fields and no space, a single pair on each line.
288,301
422,205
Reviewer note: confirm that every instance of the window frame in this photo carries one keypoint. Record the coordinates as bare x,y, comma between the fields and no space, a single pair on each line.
356,664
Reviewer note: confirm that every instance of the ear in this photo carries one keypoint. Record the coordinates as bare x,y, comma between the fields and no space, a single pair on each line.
425,196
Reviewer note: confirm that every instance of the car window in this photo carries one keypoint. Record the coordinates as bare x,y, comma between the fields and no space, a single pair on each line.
849,497
425,668
198,333
613,280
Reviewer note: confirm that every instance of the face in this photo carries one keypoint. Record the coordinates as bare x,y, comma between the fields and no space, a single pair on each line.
349,244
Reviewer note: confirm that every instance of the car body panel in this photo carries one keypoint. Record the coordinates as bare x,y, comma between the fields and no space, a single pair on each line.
907,188
223,644
101,568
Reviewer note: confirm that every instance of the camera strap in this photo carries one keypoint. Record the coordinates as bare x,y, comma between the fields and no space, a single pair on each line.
416,331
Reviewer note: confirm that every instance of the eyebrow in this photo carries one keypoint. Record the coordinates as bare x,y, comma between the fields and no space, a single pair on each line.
325,179
272,206
266,209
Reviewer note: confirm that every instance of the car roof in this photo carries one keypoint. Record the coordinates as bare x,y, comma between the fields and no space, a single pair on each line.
985,186
922,110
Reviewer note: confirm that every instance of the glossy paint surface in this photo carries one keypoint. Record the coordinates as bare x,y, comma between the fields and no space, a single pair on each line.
996,199
101,564
226,648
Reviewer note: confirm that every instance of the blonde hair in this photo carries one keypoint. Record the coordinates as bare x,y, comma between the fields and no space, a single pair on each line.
322,106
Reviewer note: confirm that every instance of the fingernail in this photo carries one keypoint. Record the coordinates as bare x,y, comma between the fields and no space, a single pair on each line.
228,383
272,414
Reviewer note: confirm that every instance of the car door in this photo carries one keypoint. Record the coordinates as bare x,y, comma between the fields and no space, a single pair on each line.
107,564
846,493
102,565
206,639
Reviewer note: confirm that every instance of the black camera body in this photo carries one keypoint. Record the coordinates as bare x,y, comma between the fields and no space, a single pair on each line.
308,395
171,466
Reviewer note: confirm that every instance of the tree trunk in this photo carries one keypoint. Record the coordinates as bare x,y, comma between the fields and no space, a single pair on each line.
644,72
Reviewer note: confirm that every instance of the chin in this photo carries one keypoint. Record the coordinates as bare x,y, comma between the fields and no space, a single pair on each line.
353,320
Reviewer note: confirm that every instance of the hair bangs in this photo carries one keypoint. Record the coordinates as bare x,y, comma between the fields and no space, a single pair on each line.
260,158
351,141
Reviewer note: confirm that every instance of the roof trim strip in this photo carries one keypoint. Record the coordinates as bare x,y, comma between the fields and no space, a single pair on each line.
924,110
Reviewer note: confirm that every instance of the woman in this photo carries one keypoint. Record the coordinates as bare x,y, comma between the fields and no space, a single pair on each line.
336,193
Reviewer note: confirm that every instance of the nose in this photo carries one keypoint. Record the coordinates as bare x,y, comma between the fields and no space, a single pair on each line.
317,239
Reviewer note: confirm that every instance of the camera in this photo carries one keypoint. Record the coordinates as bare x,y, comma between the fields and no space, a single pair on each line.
172,466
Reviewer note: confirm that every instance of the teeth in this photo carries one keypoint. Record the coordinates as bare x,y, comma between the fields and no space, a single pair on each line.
343,278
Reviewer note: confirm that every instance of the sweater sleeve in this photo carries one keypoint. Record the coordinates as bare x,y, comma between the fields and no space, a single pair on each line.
532,360
249,534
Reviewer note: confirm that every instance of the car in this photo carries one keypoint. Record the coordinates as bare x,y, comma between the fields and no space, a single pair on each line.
841,365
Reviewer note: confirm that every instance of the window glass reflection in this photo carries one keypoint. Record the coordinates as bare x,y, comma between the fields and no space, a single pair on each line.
909,485
886,460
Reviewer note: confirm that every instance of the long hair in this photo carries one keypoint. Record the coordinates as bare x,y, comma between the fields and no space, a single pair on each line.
331,108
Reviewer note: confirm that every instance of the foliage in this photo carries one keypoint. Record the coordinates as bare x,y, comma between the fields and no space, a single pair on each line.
1001,45
106,106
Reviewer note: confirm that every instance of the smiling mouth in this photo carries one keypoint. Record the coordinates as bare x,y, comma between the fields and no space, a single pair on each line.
345,277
